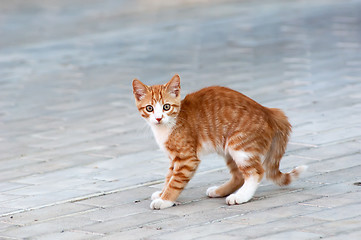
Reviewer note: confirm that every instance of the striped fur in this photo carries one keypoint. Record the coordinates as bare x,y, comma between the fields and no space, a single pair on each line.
251,137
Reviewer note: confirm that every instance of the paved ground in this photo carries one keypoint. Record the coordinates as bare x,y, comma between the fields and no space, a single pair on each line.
77,162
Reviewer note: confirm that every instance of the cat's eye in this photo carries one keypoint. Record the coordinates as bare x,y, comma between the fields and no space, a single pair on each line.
166,107
149,108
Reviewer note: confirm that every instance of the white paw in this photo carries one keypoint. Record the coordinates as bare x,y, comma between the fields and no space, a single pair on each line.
211,192
237,199
161,204
156,195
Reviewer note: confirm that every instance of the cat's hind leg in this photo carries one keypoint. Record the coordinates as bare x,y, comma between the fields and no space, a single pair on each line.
251,167
230,186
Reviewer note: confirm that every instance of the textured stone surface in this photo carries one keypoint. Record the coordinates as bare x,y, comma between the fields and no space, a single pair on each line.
77,162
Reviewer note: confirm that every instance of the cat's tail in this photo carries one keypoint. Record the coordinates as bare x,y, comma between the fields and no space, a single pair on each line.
282,127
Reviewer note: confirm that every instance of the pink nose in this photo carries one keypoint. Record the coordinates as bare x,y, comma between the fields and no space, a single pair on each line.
158,119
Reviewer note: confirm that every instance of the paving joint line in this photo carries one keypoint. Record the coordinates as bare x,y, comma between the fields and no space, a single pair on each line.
99,194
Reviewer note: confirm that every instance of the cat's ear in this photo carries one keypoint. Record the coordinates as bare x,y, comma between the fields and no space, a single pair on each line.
139,89
173,86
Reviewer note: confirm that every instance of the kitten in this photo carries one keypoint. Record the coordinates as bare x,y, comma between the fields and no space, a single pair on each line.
250,137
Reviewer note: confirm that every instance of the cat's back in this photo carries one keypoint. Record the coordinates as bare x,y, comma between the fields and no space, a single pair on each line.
213,113
217,107
219,99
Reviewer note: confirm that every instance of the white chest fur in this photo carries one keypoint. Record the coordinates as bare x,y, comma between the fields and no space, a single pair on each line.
161,134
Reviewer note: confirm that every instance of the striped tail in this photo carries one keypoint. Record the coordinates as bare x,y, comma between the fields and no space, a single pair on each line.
278,146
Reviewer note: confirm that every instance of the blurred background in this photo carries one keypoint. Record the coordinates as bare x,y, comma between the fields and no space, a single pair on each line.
66,66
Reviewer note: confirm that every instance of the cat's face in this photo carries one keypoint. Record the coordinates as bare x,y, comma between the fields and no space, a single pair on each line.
159,104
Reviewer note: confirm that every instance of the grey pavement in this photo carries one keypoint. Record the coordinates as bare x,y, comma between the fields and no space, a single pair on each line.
78,162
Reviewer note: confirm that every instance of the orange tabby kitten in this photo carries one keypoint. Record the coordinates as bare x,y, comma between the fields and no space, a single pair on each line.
250,137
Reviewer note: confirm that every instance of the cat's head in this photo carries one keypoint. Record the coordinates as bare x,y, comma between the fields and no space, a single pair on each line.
159,105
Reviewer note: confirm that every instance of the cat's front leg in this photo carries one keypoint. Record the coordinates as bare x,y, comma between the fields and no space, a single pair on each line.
183,171
157,194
